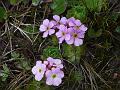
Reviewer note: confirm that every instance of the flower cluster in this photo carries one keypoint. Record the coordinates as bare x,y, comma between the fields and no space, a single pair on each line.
51,68
70,30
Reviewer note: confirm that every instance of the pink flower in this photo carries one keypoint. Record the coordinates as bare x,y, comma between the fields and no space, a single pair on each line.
54,77
39,70
76,37
76,24
57,63
47,28
58,21
63,33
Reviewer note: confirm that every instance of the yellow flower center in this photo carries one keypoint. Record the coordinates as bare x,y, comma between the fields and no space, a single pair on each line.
63,33
40,70
75,35
77,27
48,28
54,76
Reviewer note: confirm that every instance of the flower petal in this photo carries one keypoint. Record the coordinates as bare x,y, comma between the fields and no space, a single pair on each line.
62,27
51,31
61,39
49,81
56,17
34,70
60,66
77,22
81,35
51,24
48,73
42,28
78,42
71,24
45,34
45,62
71,41
57,81
61,74
46,22
63,20
49,59
59,34
57,61
38,77
83,28
67,37
38,63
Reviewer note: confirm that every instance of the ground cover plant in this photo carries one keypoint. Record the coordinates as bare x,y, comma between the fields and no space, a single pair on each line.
59,45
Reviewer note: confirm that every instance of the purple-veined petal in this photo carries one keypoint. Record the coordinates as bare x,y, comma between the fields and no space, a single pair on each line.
71,41
78,42
81,35
61,39
45,62
51,24
57,61
56,17
34,70
45,34
51,31
63,20
57,81
83,28
48,73
38,63
43,66
71,24
43,28
38,77
59,34
54,22
67,37
55,70
62,27
61,74
77,22
49,59
71,19
49,81
60,66
46,22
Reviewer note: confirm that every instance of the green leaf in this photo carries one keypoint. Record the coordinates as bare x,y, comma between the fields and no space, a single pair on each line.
35,85
94,5
78,12
3,14
94,34
114,16
73,53
78,76
69,52
72,3
15,55
58,6
118,29
30,30
35,2
5,72
54,40
51,52
14,2
79,51
25,65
